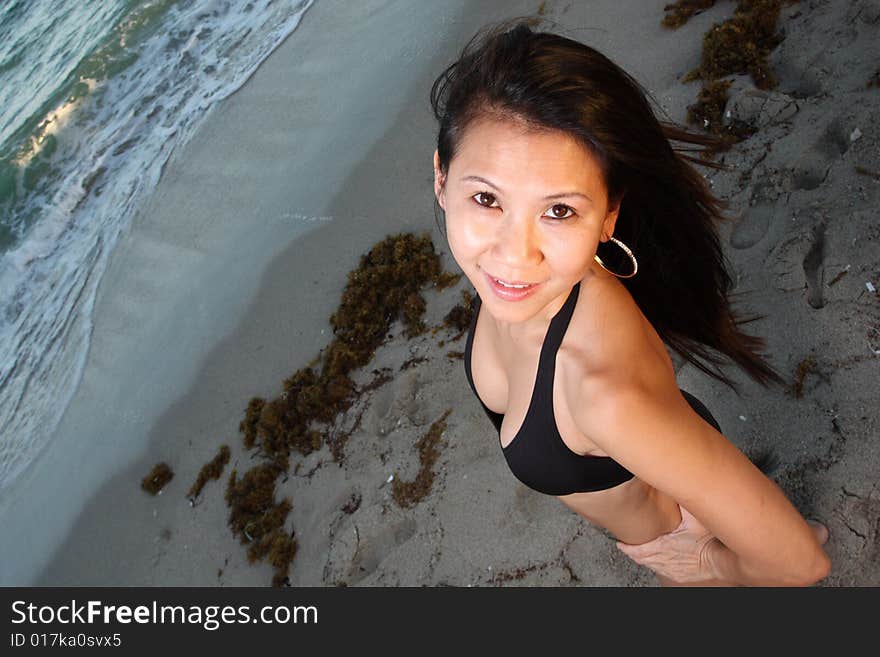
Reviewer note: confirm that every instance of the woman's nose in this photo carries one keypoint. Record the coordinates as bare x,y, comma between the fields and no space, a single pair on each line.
516,243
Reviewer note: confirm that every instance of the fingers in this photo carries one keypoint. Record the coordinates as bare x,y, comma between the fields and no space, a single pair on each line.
634,552
630,550
820,530
639,553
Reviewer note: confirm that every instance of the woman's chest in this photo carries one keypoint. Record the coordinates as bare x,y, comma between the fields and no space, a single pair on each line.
519,382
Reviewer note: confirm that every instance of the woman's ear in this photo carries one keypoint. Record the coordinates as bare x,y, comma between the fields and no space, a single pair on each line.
439,181
610,220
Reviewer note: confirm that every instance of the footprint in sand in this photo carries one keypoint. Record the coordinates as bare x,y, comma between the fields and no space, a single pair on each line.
373,549
814,269
392,402
755,220
811,168
809,83
360,547
752,227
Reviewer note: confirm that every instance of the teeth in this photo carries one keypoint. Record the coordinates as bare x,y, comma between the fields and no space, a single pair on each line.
500,282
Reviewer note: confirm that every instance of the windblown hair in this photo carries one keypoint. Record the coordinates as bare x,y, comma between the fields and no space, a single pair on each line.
668,214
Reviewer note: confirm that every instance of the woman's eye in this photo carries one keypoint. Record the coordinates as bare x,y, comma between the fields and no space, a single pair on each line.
560,211
485,199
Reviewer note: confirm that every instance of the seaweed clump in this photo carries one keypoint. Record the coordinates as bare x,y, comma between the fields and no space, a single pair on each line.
409,493
741,44
412,362
248,425
806,366
459,317
678,13
738,45
156,479
711,101
258,519
211,470
385,287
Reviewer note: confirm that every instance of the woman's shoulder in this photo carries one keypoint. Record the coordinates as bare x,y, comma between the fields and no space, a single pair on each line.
609,341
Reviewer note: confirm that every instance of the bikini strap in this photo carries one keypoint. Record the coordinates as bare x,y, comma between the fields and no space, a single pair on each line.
552,341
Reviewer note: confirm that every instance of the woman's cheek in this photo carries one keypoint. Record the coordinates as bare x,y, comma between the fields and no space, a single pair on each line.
453,237
463,236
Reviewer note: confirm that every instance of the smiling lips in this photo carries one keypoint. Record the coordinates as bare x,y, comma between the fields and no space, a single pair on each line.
511,290
517,284
514,284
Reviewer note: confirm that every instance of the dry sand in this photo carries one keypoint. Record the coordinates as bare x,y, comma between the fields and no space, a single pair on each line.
214,298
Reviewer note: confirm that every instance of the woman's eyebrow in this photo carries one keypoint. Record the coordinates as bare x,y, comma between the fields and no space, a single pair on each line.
546,198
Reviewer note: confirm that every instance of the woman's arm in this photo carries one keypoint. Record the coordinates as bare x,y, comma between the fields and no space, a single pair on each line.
725,564
690,555
656,435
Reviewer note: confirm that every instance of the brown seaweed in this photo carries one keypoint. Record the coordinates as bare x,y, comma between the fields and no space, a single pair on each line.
409,493
386,287
679,13
258,519
211,470
806,366
156,479
738,45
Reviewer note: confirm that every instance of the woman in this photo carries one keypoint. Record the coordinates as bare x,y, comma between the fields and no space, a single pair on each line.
545,150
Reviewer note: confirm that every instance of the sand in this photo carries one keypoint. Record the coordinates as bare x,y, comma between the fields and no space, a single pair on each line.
226,283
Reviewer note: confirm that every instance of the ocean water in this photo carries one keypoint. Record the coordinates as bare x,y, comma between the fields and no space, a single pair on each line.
94,98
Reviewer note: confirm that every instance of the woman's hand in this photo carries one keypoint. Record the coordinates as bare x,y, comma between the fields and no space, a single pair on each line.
682,555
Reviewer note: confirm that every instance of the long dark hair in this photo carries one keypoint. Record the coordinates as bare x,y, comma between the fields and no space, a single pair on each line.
668,214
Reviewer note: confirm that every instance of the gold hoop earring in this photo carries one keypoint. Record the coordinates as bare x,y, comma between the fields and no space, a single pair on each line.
628,252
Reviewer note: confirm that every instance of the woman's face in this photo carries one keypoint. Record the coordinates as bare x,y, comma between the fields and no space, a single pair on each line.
524,207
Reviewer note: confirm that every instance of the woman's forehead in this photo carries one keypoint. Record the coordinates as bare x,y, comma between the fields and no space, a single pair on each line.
514,152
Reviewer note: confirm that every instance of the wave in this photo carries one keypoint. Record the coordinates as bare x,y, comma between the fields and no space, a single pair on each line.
74,173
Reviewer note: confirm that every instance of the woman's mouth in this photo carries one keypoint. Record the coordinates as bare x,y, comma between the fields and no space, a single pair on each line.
511,290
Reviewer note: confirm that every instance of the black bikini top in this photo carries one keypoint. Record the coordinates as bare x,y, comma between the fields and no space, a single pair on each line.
537,455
